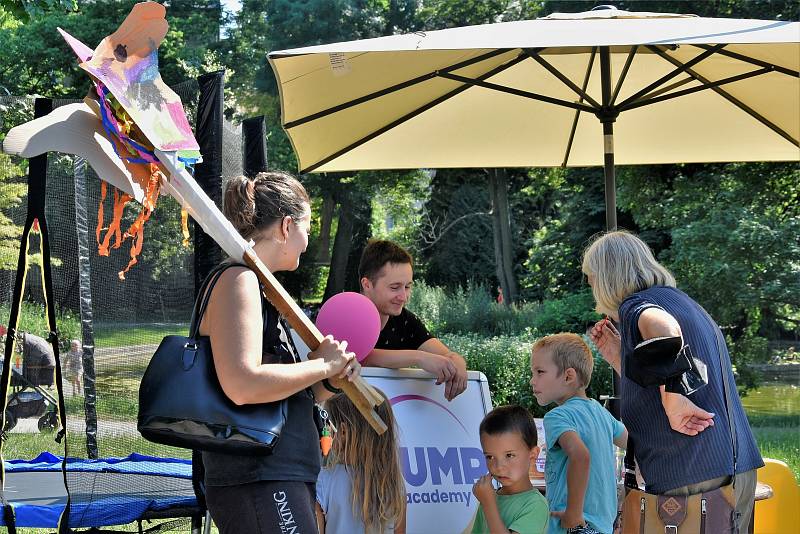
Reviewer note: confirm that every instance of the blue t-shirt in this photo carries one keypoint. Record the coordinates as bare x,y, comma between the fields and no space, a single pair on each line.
597,429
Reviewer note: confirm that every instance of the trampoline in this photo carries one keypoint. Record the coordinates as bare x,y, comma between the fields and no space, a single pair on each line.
154,488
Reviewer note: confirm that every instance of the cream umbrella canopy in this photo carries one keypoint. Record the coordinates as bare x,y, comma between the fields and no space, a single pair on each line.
595,88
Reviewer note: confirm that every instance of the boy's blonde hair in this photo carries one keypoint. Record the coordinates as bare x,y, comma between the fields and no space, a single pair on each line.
621,264
372,460
569,350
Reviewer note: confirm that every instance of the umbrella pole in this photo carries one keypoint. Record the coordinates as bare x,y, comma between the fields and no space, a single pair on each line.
607,116
610,175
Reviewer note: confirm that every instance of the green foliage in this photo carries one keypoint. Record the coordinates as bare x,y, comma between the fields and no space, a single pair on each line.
24,10
397,208
471,309
32,318
44,64
746,351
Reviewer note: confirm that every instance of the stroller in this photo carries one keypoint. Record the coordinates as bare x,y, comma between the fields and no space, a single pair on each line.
28,396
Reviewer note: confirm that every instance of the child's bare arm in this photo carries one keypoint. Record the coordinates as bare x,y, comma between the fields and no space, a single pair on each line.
577,479
320,518
484,492
621,441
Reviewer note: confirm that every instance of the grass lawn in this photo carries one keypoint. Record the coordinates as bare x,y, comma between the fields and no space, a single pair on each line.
111,335
774,414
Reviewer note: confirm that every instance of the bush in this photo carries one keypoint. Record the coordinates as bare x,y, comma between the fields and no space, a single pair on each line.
505,360
472,310
32,319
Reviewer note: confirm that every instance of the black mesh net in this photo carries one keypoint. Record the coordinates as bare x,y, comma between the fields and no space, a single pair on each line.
117,324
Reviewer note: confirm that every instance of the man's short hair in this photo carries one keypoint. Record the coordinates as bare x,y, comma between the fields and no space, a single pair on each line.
378,253
504,419
569,350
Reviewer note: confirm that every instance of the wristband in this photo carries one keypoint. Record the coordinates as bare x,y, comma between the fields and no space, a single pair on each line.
327,385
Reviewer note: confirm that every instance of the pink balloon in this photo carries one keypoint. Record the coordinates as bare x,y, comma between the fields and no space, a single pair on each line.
351,317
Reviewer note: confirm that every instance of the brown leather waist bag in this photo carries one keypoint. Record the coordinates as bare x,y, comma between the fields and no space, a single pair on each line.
711,512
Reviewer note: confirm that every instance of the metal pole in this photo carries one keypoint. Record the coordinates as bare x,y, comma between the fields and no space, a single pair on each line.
607,117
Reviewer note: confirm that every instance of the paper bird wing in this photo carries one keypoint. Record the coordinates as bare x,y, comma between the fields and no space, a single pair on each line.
75,129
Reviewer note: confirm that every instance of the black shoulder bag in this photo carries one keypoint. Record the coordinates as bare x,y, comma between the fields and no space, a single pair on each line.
181,402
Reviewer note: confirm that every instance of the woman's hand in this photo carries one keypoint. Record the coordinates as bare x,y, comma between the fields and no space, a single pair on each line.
607,340
685,416
339,362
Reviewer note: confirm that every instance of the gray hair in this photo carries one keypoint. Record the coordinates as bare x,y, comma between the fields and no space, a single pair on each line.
621,265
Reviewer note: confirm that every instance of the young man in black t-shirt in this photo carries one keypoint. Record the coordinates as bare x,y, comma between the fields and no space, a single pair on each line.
386,274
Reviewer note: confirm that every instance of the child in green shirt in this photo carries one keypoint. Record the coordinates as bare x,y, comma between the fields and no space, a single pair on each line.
509,442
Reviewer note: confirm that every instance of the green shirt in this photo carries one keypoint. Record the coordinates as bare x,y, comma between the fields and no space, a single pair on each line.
525,513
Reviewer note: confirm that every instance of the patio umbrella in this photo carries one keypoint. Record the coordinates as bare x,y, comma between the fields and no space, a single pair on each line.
596,88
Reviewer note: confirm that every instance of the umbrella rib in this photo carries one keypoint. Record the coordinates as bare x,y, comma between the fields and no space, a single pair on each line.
414,113
711,85
667,88
754,61
534,55
624,73
735,101
682,67
518,92
574,128
392,89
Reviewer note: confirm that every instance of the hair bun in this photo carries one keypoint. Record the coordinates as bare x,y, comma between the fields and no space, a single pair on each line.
239,204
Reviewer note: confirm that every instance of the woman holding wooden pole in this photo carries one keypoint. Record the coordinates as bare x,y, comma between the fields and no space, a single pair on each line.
256,362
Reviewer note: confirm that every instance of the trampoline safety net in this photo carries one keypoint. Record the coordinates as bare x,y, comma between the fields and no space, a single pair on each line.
116,326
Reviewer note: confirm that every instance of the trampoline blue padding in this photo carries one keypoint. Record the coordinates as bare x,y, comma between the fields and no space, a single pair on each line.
104,492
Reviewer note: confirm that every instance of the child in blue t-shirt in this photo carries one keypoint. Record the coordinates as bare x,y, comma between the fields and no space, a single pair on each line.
580,434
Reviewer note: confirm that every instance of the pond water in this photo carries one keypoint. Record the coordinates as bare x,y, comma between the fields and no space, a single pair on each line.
773,399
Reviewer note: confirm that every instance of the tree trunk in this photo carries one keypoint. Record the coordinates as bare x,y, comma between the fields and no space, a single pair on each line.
352,233
326,220
341,252
501,226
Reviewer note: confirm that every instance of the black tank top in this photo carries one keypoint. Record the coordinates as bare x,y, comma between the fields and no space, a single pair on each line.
296,455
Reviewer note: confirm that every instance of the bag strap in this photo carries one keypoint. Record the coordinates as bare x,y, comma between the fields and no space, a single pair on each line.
204,295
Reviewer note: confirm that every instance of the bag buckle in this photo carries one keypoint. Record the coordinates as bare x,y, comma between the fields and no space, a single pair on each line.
189,355
670,529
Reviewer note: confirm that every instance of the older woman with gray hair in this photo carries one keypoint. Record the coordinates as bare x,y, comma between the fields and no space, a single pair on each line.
671,357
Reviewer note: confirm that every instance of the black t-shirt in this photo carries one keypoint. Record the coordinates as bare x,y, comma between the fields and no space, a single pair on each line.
403,332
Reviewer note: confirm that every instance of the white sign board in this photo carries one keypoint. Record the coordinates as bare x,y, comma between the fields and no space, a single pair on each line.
440,448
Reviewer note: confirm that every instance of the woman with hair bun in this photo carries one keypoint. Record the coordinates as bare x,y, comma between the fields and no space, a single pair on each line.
256,362
671,357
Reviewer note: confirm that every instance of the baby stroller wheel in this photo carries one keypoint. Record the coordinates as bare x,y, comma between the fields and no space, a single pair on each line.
11,421
48,422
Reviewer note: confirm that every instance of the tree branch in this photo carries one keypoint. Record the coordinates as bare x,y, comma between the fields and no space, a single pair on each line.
430,234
